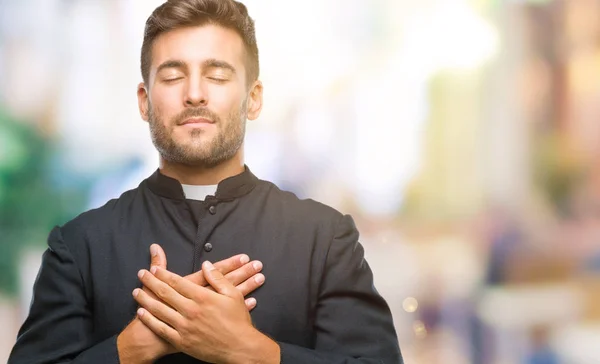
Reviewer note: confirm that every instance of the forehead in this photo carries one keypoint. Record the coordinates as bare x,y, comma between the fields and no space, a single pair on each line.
193,45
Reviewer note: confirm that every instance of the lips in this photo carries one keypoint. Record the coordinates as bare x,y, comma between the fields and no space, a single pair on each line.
196,120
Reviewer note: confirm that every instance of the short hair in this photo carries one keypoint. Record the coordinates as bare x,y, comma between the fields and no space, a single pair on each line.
175,14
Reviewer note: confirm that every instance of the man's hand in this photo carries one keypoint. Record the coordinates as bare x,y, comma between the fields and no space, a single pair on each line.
245,276
213,326
138,344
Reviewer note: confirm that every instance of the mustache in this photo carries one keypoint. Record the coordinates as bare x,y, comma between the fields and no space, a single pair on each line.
198,112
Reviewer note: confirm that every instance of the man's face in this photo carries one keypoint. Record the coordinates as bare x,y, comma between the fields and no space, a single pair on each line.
197,100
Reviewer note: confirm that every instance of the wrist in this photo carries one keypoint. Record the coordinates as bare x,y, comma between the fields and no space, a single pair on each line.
256,348
133,352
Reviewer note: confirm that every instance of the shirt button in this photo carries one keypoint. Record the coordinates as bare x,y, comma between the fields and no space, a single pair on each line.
208,247
212,210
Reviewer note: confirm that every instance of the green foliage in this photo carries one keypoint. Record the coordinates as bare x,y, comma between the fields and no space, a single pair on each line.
30,202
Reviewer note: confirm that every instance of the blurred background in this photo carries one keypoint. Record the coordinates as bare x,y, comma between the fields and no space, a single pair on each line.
462,135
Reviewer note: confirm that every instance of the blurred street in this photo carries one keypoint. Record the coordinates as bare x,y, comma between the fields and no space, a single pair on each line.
462,135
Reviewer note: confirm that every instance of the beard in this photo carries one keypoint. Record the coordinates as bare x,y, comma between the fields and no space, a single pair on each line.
198,150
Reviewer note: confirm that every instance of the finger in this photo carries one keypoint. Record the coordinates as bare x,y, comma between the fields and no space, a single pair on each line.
197,278
250,303
160,328
224,266
243,273
182,286
251,284
157,308
218,281
230,264
162,289
149,292
157,256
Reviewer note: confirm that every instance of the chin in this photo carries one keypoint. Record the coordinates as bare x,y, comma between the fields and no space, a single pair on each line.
195,140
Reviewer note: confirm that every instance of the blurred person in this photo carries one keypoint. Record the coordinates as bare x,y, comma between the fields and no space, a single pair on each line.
313,295
541,351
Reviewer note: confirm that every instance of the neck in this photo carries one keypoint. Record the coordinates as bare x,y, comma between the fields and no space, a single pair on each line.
199,175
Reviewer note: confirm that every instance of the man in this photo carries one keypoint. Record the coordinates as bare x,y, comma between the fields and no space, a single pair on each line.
318,304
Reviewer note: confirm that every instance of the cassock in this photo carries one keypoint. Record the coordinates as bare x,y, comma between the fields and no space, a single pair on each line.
318,301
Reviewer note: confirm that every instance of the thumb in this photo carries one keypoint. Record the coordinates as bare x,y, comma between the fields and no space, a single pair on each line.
157,256
218,281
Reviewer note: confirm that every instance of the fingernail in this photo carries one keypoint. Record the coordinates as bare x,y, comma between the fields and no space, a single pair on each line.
140,312
141,274
244,259
153,269
252,301
259,278
208,265
257,265
153,250
136,292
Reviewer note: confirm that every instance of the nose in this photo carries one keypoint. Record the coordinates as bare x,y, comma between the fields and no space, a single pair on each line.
196,94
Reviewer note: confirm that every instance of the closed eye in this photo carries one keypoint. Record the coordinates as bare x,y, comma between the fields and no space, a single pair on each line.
218,80
169,80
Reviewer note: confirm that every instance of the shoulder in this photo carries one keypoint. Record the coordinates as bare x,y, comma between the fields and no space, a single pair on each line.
92,223
308,210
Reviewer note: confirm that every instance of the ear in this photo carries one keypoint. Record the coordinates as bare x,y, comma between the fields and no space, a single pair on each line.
255,100
142,95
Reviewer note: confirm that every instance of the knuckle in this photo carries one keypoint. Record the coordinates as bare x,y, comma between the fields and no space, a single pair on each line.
250,286
173,282
170,280
224,269
251,283
247,271
236,294
193,313
150,306
216,276
161,292
185,346
223,266
197,278
151,294
232,262
157,262
242,287
162,331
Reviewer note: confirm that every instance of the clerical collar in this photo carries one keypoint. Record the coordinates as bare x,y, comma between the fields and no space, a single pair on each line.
193,192
228,189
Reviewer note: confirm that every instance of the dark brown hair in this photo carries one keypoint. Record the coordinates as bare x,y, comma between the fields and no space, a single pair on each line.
175,14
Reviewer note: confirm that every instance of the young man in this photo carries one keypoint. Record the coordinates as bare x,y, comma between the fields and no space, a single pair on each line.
318,304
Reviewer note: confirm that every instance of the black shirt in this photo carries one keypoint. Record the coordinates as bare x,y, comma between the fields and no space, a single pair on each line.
318,301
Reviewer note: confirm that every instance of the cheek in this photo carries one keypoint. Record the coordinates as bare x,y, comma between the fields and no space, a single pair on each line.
165,101
225,100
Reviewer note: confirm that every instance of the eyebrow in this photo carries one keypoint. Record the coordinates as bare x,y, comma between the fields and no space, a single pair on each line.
215,63
209,63
171,64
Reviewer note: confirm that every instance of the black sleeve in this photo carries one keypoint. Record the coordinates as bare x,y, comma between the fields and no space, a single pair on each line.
58,328
353,322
